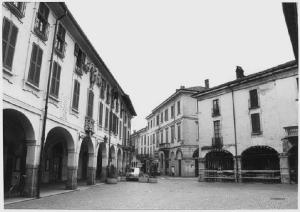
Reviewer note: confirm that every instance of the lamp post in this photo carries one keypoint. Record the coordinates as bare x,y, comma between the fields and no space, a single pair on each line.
46,110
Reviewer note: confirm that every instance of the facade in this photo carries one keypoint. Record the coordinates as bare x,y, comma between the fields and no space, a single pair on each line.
248,127
172,133
87,109
138,139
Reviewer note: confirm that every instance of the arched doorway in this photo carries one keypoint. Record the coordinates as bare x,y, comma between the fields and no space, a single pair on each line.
179,159
260,163
101,162
172,171
293,163
18,133
59,143
85,162
119,161
196,156
219,166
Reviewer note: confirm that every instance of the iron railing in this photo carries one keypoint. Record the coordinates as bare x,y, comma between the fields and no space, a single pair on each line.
217,142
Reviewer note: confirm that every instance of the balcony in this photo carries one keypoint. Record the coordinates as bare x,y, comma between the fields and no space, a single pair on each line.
215,112
164,146
217,142
41,28
60,48
89,125
17,8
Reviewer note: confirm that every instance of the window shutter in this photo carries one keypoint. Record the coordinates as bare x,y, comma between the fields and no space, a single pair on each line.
76,50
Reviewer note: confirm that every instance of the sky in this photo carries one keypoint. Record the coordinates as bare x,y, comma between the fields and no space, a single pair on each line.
152,47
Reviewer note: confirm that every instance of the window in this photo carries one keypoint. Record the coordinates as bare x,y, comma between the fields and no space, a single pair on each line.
172,111
120,130
100,114
216,109
9,39
178,132
76,93
102,89
35,65
178,108
41,26
166,115
157,139
253,99
172,133
255,123
106,118
217,130
161,117
161,137
17,8
107,94
80,59
157,120
60,43
54,89
167,135
90,104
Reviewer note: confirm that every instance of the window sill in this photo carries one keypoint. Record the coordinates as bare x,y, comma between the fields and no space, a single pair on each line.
253,108
33,86
256,133
7,71
56,99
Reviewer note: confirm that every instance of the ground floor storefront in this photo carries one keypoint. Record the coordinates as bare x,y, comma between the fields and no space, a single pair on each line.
175,193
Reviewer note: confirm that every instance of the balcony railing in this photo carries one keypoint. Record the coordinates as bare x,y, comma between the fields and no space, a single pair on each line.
41,28
89,125
291,131
60,48
215,112
17,8
217,142
164,145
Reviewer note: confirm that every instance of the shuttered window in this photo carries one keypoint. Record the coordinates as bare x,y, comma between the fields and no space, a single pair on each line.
76,95
54,89
100,114
253,98
255,123
106,118
35,65
90,104
9,39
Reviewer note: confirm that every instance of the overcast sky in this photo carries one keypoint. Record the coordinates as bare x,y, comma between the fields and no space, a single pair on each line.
154,46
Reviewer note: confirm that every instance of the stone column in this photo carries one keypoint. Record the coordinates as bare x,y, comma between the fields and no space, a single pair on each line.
201,169
238,169
31,180
91,176
71,178
30,189
284,168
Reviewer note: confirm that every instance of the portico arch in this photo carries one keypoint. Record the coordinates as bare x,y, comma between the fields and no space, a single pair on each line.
102,161
86,169
19,149
58,159
119,161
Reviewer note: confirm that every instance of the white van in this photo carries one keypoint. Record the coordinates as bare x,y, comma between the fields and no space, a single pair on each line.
133,174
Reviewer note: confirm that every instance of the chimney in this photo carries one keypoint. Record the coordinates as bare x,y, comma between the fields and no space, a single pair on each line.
182,87
206,83
239,72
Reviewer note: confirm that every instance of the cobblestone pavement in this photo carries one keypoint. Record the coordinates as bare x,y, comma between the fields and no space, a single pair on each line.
171,193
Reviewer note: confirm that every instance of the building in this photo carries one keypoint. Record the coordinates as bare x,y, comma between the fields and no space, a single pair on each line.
87,108
248,127
138,141
172,133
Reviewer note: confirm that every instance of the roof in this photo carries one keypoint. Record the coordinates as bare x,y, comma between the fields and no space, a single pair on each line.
191,90
63,6
248,78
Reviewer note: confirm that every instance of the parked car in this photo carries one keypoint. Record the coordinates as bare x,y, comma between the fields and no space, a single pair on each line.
133,174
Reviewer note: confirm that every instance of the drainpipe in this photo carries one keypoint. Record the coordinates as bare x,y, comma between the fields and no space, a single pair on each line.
46,109
235,139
